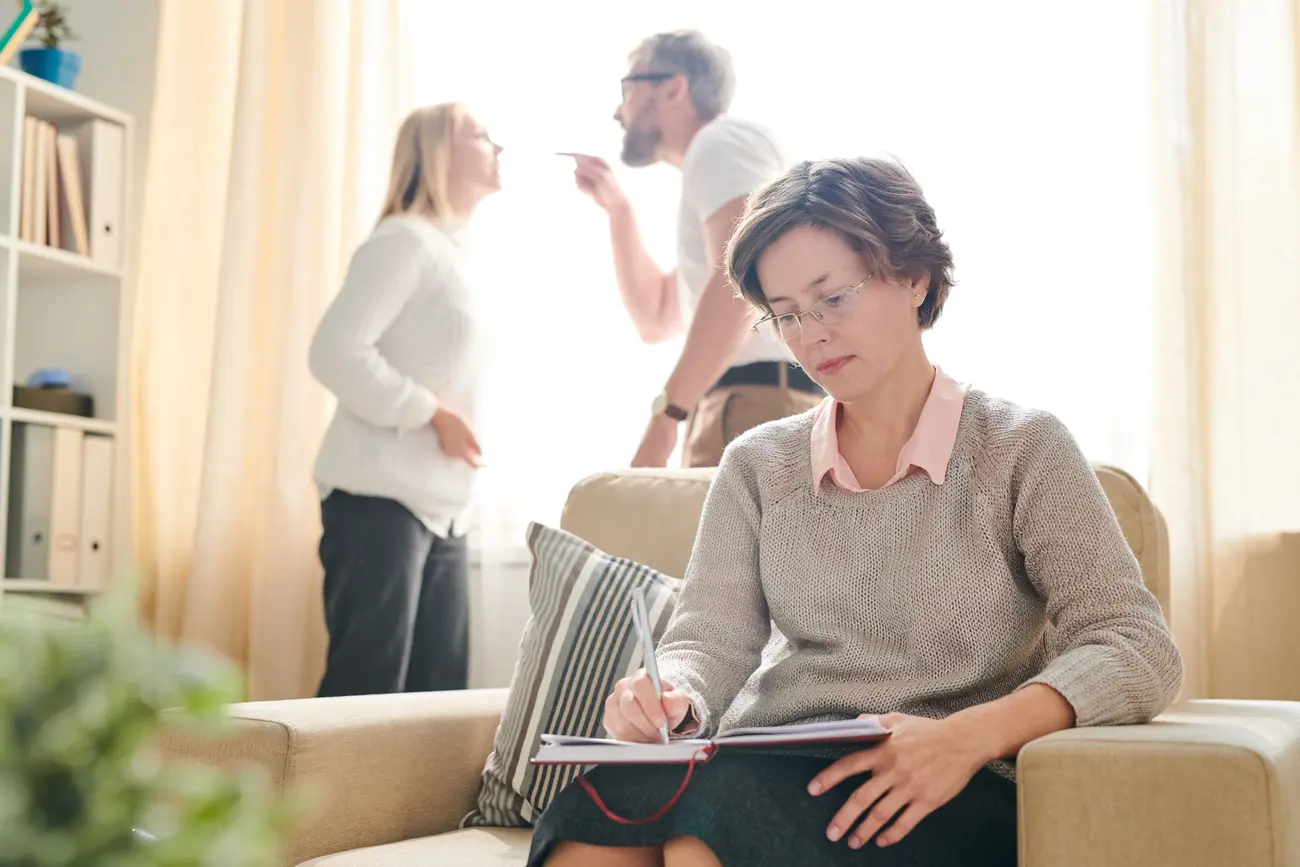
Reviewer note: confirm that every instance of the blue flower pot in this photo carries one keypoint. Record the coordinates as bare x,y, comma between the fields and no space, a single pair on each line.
52,64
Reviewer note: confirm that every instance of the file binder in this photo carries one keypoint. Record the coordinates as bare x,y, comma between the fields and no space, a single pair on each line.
93,559
100,144
31,487
45,481
65,506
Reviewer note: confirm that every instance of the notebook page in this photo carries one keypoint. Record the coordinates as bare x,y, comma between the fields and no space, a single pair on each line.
597,752
576,740
848,729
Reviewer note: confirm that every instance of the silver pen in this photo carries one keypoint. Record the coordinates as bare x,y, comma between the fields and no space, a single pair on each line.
641,618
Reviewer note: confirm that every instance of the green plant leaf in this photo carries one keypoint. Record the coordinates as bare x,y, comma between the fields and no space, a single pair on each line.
52,27
81,705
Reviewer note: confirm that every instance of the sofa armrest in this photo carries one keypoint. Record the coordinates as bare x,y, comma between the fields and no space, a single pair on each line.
375,769
1210,783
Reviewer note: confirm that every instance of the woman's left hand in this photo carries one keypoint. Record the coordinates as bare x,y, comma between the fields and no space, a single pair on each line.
922,765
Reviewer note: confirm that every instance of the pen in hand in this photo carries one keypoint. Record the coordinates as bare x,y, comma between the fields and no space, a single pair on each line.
641,619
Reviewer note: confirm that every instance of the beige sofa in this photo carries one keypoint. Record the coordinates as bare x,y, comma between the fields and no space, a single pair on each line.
1209,784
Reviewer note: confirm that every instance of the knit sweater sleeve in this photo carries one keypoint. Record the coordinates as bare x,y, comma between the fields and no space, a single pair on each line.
1115,661
384,274
715,638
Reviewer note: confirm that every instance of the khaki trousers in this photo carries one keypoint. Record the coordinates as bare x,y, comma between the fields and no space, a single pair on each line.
728,412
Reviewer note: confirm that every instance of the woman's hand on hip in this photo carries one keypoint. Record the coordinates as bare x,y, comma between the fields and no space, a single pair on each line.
455,437
634,713
922,765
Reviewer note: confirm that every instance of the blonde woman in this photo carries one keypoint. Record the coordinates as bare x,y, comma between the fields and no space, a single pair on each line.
400,348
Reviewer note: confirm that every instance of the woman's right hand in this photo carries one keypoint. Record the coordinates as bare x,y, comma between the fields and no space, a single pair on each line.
633,713
455,437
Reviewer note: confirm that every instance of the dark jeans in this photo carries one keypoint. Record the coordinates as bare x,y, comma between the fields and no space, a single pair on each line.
396,600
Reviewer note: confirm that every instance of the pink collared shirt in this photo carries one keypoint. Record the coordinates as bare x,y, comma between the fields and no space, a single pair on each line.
928,449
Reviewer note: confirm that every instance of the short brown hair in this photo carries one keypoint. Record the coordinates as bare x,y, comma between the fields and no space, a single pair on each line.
875,204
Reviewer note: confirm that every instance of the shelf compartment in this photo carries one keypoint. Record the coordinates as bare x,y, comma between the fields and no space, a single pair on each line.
72,325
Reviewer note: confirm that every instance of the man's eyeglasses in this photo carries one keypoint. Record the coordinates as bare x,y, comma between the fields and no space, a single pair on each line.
645,76
831,310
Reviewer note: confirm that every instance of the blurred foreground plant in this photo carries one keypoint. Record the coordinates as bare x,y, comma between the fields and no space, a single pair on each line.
81,703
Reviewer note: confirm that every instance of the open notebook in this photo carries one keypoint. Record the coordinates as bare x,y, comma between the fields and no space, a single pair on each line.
570,750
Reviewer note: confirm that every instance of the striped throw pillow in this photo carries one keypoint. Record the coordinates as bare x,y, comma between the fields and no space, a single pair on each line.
579,640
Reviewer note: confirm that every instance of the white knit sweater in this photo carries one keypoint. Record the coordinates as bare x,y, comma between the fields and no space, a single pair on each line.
916,598
402,334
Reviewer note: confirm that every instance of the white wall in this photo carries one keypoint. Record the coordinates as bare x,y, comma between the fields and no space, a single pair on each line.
118,42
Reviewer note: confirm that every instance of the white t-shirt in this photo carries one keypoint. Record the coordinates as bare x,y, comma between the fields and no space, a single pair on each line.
729,157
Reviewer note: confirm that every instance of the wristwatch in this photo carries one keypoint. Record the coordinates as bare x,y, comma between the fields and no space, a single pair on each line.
672,410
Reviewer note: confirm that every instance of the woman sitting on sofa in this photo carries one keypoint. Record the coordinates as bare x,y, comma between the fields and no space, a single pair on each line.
928,553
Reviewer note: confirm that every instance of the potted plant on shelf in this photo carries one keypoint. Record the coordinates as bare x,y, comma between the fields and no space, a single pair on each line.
81,706
49,61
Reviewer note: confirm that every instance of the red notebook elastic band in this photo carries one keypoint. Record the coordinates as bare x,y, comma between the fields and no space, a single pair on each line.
659,814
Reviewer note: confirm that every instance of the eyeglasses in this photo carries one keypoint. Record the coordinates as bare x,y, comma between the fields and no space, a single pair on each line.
644,76
831,310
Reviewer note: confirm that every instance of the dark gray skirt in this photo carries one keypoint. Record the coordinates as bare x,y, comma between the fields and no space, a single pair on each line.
754,809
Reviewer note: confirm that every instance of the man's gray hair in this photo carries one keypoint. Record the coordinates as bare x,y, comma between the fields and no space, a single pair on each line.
706,67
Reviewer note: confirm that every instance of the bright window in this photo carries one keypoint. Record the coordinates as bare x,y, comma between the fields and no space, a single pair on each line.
1026,122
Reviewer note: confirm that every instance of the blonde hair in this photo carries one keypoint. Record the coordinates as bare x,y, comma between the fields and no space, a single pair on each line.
421,159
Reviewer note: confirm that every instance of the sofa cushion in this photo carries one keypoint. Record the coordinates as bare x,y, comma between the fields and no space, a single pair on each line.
579,640
479,847
615,510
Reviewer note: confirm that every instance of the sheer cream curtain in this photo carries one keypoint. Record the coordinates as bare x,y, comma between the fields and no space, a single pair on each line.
270,144
1226,467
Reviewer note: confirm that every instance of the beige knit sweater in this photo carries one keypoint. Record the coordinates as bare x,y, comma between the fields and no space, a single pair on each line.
917,598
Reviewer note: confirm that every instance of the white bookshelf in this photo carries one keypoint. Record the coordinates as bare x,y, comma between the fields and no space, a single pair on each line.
59,309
